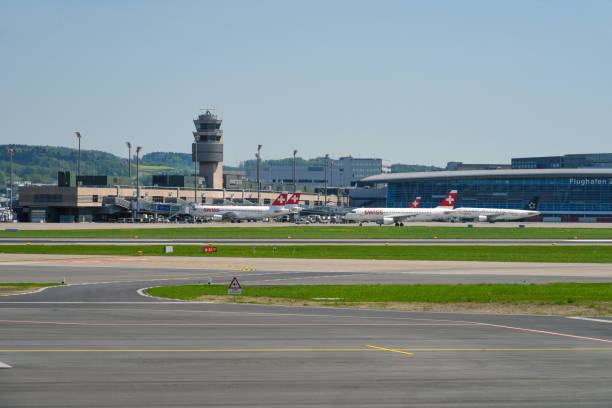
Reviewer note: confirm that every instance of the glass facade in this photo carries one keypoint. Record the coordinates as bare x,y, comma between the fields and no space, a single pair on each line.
558,195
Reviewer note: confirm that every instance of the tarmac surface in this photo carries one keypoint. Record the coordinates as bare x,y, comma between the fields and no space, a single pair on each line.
98,342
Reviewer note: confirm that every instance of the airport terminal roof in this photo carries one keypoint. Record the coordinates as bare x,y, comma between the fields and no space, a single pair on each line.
400,177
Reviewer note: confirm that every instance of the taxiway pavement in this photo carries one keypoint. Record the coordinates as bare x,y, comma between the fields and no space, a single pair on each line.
99,343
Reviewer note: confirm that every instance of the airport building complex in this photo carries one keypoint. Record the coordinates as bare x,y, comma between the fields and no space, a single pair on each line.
568,161
343,172
564,194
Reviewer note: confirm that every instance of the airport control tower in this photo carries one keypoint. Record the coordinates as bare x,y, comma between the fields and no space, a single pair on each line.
207,148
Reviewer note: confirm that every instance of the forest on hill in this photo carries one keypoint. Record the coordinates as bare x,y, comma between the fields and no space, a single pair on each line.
40,164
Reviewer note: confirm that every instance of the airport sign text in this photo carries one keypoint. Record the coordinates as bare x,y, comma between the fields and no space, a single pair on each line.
590,181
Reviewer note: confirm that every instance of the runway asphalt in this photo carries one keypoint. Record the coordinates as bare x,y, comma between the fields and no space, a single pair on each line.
97,342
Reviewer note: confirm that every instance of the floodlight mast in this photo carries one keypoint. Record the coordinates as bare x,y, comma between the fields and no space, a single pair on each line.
11,152
294,153
78,135
129,146
258,155
138,149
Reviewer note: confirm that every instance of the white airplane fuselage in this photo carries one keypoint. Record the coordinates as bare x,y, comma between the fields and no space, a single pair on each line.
492,214
392,215
238,212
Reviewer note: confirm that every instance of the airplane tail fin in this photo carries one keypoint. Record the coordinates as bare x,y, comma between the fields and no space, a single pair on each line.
532,205
280,200
294,199
449,200
415,203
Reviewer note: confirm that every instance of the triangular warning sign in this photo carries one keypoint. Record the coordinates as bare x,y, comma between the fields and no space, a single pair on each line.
234,284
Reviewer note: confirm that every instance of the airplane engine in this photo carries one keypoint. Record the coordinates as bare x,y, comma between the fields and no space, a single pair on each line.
483,218
217,217
386,221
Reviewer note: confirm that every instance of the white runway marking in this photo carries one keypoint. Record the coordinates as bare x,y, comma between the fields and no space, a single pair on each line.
546,332
590,319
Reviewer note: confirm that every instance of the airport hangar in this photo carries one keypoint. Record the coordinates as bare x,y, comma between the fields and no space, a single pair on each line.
566,195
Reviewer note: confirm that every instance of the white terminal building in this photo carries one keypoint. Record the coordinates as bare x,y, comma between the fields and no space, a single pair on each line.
342,172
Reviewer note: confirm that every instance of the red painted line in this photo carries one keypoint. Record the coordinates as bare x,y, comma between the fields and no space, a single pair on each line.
546,332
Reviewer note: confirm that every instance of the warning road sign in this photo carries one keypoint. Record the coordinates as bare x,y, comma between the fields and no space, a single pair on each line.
234,287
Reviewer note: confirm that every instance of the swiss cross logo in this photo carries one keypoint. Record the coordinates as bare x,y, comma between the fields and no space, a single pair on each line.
281,199
414,202
450,199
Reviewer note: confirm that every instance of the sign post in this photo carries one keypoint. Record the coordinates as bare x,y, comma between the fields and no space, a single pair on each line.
234,288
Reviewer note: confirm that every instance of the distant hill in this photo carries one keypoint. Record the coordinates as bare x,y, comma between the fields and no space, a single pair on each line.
407,168
40,164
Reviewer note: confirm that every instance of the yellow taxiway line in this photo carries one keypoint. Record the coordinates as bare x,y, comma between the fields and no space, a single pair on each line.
388,349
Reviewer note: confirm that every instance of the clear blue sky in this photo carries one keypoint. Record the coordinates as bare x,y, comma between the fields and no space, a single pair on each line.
412,82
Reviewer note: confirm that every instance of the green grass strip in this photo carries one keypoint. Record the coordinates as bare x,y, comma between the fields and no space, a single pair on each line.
26,284
579,254
321,232
553,293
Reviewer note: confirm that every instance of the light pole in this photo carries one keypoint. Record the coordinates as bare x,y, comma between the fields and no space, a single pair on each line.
138,149
294,153
258,155
129,146
195,172
326,159
10,152
78,135
331,176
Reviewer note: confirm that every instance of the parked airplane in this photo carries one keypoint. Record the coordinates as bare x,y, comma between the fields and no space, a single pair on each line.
496,214
237,213
397,216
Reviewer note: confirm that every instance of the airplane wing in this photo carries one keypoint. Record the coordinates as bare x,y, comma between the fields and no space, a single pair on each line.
490,216
230,215
403,217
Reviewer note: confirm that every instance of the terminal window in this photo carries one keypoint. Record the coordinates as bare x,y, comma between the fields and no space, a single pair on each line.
47,198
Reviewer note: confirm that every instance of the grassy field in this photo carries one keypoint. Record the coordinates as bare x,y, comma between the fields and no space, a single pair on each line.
579,254
553,293
321,232
570,299
29,284
22,287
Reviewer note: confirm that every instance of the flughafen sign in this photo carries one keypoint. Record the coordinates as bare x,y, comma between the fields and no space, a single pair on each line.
590,181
